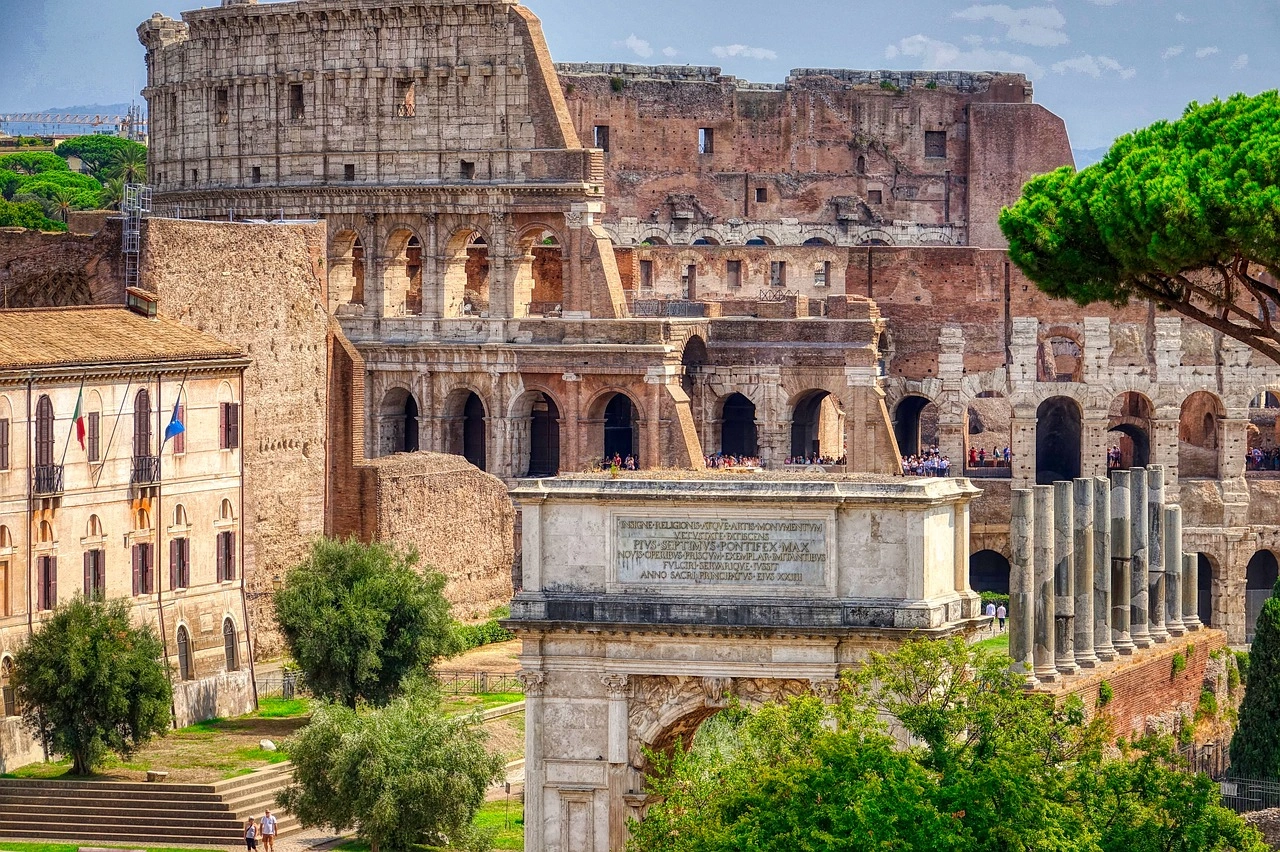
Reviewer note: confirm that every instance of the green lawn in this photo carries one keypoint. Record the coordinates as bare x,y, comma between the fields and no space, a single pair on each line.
460,704
504,819
998,643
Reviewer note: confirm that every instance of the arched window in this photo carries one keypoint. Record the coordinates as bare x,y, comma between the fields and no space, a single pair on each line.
142,520
226,512
94,527
44,432
229,645
184,654
7,704
180,516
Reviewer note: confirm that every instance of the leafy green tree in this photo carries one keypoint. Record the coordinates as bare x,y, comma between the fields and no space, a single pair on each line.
112,194
358,618
1255,748
27,214
1184,213
89,682
400,775
98,152
32,162
129,165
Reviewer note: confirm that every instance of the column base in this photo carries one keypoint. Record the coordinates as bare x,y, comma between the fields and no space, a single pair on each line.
1105,656
1087,661
1176,630
1046,675
1067,667
1143,641
1193,625
1123,644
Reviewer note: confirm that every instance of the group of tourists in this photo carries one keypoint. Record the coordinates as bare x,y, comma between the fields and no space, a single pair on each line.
997,612
1115,458
814,458
931,462
720,461
618,462
1260,459
266,829
979,457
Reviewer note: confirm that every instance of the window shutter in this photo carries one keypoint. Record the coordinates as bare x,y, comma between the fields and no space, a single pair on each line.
149,569
4,444
175,552
233,421
88,574
231,556
180,440
95,435
222,559
222,426
137,570
53,583
40,573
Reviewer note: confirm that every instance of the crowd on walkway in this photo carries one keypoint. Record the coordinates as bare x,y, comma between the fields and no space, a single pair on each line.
1260,459
619,462
931,462
979,457
721,461
814,458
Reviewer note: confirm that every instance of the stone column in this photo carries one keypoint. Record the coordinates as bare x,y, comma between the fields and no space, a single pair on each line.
1156,579
1173,570
1121,556
1042,589
1139,582
616,687
534,771
1190,591
1064,570
1101,583
1021,583
1082,541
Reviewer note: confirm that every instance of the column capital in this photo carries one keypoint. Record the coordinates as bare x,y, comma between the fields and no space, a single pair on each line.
616,685
533,681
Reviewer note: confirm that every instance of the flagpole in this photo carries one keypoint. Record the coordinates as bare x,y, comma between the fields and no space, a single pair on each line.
181,387
107,452
79,400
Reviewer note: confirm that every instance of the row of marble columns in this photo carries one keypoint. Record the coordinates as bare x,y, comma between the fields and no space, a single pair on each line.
1097,571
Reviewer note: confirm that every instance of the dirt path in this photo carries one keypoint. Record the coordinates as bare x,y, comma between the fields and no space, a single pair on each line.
499,659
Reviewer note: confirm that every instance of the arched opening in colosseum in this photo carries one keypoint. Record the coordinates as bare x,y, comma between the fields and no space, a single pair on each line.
817,241
398,421
538,421
1060,360
706,241
738,436
539,275
466,421
817,427
346,269
915,424
403,274
1259,580
653,240
989,572
466,274
760,240
693,359
1264,448
988,431
1199,423
621,437
1206,571
1129,430
1058,421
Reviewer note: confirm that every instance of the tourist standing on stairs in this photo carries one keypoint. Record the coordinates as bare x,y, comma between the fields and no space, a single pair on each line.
268,832
250,835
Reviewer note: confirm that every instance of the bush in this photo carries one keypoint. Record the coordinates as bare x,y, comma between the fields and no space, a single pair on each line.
617,84
1179,664
1233,678
1105,694
1208,706
1242,663
99,153
994,597
486,633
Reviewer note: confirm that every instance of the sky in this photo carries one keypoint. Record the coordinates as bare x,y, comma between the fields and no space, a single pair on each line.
1105,66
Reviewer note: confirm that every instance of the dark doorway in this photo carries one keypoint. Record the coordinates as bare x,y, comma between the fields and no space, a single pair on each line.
544,437
1129,429
619,427
410,424
1259,580
473,438
989,572
808,427
1057,440
738,427
907,427
1204,589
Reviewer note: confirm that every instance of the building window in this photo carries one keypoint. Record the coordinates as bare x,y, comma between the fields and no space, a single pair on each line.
689,281
822,274
95,574
406,99
221,107
777,273
706,140
875,196
468,170
4,444
297,106
762,195
733,273
935,144
229,645
646,275
6,687
179,563
229,427
173,112
195,176
142,424
349,172
4,588
144,569
180,439
44,432
46,582
602,137
226,556
257,174
93,436
184,654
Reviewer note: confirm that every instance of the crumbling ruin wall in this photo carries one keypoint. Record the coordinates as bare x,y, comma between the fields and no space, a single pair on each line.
42,270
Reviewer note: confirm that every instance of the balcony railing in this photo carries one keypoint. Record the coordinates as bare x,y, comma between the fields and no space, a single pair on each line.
48,479
146,470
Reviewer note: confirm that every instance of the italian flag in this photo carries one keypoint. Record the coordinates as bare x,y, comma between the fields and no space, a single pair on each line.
79,418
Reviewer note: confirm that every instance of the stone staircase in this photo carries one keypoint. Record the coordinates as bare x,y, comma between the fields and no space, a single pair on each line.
143,814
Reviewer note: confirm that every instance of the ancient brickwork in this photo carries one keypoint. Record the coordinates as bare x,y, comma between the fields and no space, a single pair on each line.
42,270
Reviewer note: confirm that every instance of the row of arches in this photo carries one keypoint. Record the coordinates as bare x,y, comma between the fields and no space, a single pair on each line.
186,651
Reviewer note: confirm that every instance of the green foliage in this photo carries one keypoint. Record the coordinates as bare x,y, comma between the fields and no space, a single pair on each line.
1105,694
1242,663
1184,213
1179,664
994,768
32,162
888,86
490,632
400,775
1233,676
1186,731
1191,650
1207,708
994,597
932,84
89,682
27,214
358,618
99,152
1255,748
617,84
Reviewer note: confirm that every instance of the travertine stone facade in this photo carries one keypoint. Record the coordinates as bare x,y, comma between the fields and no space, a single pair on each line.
649,604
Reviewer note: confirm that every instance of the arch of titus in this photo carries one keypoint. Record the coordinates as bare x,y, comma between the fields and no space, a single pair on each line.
649,604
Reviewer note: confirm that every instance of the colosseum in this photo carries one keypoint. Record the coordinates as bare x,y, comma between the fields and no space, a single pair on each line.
545,267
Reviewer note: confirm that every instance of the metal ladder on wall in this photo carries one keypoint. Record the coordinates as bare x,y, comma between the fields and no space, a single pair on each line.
135,207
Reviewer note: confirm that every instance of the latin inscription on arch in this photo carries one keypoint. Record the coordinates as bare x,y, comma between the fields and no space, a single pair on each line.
742,554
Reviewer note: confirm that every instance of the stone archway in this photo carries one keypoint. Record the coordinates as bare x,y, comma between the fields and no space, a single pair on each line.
1058,428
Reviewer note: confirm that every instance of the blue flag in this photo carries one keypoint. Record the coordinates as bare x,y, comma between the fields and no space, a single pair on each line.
175,427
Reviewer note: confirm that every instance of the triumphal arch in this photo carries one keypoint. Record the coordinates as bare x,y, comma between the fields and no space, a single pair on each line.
650,603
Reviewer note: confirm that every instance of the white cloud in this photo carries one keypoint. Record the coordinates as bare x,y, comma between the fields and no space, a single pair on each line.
1171,52
974,40
670,52
1104,2
1038,25
1204,52
745,51
638,46
930,54
1094,66
1241,61
1181,18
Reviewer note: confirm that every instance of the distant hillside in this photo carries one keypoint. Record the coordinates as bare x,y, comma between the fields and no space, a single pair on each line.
1088,156
28,129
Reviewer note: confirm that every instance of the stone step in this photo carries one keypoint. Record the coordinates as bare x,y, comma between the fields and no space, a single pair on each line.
43,799
37,829
97,786
119,817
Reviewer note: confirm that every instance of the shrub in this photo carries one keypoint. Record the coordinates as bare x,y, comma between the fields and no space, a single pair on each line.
1179,664
1242,663
617,84
1255,748
1105,694
1208,706
1233,679
994,597
486,633
888,86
